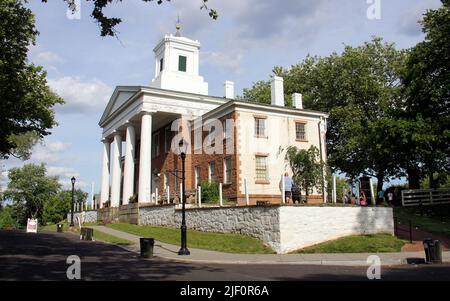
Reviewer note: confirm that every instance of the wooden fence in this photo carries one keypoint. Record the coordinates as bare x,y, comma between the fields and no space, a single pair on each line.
418,197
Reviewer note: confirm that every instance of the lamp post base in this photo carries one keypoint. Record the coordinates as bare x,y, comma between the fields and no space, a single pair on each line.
184,251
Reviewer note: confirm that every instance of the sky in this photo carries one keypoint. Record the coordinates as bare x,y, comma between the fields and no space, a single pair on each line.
243,45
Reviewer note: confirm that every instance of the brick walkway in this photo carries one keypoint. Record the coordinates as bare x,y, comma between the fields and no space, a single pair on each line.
418,236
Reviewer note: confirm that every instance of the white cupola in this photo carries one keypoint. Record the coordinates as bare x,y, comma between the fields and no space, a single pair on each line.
177,65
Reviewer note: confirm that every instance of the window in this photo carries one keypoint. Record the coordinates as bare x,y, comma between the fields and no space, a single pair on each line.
261,168
182,63
226,129
260,127
227,170
212,136
300,133
161,64
155,145
211,175
166,139
197,176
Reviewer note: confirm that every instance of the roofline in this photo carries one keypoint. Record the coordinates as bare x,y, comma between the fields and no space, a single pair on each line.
272,108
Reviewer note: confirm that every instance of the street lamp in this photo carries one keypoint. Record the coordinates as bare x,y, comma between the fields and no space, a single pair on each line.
73,188
183,250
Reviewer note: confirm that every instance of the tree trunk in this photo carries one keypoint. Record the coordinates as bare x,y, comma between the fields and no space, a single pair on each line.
431,184
380,180
413,178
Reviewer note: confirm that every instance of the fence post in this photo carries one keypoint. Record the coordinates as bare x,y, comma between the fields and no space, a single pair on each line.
168,194
156,195
431,197
199,196
334,190
395,226
220,195
372,193
410,232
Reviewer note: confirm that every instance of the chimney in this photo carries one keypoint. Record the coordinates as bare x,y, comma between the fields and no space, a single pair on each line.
277,91
297,100
229,89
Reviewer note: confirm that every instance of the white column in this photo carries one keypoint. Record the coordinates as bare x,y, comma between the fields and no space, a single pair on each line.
145,161
104,195
128,176
283,193
116,170
199,196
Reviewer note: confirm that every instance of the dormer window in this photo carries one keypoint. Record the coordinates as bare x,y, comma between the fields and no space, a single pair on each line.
161,64
182,63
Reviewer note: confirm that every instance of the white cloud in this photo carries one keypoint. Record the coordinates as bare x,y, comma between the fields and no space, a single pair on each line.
81,96
47,57
49,152
228,60
62,172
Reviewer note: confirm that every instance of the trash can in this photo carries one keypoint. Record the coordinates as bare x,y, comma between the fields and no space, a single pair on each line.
87,233
147,247
433,251
59,228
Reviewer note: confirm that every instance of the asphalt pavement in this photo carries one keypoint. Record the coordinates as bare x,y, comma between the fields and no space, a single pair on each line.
43,256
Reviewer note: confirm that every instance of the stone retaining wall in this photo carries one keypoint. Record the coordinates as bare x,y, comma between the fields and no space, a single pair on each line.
284,228
89,216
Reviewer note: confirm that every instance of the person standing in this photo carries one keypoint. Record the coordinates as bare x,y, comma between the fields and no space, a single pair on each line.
380,196
390,197
288,183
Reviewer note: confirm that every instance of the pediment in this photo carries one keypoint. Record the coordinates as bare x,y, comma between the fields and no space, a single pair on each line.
120,96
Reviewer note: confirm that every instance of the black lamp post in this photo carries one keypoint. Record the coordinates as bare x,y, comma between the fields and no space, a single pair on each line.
183,250
73,204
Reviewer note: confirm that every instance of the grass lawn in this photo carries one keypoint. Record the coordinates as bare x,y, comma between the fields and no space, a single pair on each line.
376,243
434,219
98,236
223,242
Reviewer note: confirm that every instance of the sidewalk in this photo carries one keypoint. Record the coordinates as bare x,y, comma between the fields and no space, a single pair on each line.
169,251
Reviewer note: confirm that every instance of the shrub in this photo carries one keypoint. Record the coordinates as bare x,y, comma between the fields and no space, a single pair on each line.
210,192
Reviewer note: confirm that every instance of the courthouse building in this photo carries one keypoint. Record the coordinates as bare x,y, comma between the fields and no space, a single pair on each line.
237,143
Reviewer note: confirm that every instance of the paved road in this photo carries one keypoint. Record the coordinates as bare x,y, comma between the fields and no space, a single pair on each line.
43,256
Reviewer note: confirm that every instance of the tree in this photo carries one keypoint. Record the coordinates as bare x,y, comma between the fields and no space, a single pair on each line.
427,101
107,25
28,189
57,207
6,219
306,168
26,106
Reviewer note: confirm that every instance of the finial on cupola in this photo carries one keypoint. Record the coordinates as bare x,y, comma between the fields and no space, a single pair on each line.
178,27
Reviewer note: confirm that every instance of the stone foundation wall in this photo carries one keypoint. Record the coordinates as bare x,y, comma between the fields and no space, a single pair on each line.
283,228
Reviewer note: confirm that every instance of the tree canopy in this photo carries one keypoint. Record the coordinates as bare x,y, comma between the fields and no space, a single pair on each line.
29,188
108,24
26,106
